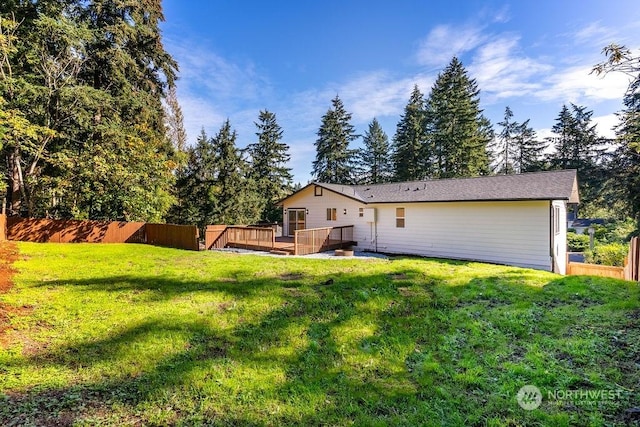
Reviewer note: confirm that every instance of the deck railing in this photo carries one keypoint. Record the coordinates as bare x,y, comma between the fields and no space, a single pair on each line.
241,237
313,240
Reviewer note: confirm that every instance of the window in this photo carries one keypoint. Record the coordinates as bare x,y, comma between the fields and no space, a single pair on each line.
556,220
317,191
361,212
332,214
399,217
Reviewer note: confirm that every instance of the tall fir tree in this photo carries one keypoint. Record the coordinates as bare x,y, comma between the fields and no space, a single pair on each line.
269,158
194,186
235,199
506,151
529,149
334,159
577,146
410,161
517,149
374,162
624,184
458,133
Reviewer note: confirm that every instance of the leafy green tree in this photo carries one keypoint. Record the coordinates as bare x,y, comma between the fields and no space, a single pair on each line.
410,161
334,159
457,132
269,157
374,162
94,73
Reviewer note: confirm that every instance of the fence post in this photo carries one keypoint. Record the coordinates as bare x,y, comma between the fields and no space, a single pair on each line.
295,242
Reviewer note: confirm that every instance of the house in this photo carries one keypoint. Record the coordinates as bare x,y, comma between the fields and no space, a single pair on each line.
581,225
507,219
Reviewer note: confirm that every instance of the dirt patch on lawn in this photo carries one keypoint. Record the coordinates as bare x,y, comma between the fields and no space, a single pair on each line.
8,255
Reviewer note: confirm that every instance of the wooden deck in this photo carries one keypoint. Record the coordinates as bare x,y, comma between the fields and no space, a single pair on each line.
263,239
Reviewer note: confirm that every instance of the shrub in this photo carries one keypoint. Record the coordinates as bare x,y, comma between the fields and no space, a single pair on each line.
577,242
611,254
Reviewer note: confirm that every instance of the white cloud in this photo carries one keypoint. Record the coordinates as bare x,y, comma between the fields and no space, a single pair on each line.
502,73
595,34
198,113
445,41
579,85
606,124
378,94
206,73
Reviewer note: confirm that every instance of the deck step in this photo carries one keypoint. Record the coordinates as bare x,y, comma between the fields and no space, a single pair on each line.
279,252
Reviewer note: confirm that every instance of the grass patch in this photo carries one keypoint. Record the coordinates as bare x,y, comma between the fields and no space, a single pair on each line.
134,334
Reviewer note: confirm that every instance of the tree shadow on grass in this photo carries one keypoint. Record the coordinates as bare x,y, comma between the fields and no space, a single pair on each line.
414,322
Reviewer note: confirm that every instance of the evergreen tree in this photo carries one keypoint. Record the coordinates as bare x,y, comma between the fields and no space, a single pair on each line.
518,149
529,150
624,185
577,146
269,158
194,186
93,73
458,133
235,199
506,150
373,159
334,159
409,156
627,155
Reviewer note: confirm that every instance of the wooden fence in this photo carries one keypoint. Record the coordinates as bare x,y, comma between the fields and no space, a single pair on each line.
173,236
3,227
632,267
628,272
76,231
313,240
583,269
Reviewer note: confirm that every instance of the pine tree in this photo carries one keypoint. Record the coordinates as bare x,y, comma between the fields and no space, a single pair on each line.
269,157
626,168
518,149
529,150
564,140
235,199
577,146
194,186
334,159
458,133
409,156
374,161
506,149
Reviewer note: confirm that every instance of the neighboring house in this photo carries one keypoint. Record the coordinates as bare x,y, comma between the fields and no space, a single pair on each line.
581,225
507,219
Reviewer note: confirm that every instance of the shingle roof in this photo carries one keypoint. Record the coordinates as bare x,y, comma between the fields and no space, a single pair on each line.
551,185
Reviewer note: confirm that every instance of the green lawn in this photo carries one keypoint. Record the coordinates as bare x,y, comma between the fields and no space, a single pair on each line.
133,334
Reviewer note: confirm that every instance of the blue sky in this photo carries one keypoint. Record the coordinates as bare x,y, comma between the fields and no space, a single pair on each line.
292,57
